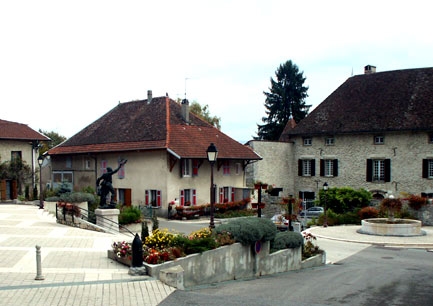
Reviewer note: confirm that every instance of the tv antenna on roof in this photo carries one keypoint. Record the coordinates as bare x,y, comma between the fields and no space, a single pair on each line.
185,86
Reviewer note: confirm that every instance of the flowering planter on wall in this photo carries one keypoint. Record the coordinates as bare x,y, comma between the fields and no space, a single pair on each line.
256,205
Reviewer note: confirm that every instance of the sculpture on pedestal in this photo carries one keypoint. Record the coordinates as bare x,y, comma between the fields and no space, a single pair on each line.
104,185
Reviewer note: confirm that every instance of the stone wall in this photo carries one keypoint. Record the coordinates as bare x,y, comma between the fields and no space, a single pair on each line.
276,166
424,214
231,262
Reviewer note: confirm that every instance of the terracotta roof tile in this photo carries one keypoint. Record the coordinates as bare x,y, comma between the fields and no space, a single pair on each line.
139,125
14,130
400,100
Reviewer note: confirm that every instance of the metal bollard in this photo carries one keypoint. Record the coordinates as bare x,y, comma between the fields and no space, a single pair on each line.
38,264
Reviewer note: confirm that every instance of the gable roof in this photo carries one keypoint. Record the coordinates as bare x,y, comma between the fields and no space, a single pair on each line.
400,100
139,125
18,131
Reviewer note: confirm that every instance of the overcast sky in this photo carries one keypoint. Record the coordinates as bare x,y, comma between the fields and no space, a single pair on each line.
63,64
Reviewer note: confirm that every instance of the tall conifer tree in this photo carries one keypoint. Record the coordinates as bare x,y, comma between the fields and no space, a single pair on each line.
286,99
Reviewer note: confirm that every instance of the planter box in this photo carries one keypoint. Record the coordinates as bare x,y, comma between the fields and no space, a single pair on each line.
229,262
315,261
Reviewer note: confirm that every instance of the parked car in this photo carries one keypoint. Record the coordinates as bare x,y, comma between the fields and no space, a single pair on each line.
313,212
279,219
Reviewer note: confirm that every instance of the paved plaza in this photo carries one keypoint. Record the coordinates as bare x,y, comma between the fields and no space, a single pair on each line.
75,266
76,270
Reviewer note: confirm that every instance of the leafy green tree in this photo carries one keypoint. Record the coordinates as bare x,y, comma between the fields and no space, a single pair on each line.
16,169
344,199
56,139
203,113
286,99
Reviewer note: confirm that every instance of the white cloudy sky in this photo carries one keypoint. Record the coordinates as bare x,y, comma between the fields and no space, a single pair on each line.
63,64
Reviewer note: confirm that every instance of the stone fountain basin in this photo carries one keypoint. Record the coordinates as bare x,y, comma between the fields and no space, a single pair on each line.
399,227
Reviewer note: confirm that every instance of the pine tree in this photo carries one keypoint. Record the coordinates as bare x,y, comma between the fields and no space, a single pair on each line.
286,99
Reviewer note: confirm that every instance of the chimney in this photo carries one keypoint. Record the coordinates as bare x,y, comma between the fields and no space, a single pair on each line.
369,69
185,110
149,96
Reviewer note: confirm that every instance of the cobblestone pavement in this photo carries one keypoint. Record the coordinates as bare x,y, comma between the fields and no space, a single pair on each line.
74,264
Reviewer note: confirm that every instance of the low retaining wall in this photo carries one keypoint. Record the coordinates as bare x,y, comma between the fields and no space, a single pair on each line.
230,262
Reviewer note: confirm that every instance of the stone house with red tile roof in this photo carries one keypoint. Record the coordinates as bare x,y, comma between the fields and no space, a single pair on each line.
18,140
375,132
165,146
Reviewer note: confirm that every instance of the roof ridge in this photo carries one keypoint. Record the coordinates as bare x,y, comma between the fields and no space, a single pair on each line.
167,122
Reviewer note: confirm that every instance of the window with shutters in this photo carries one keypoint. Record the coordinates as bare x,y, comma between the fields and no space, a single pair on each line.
378,170
152,197
124,196
306,167
188,197
226,167
226,194
329,167
427,168
186,167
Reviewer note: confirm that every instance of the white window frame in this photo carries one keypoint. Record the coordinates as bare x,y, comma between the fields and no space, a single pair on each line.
63,175
430,169
308,141
328,167
378,170
379,140
187,167
306,167
329,141
238,168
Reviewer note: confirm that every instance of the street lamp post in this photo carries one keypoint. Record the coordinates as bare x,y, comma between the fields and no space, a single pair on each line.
41,195
325,189
212,154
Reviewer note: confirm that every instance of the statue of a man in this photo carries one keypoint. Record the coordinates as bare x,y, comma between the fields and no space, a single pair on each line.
104,184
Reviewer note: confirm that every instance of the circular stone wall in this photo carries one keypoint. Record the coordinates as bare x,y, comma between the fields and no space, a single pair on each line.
400,227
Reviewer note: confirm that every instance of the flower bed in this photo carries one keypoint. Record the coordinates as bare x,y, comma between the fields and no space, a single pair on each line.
212,256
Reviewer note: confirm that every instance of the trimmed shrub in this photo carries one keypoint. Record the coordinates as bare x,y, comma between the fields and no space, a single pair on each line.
286,240
416,202
249,230
73,197
130,214
368,213
197,245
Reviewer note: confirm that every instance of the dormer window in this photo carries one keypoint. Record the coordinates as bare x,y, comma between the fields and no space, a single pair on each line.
379,140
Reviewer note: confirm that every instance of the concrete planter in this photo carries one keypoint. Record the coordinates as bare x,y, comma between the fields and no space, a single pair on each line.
229,262
51,206
314,261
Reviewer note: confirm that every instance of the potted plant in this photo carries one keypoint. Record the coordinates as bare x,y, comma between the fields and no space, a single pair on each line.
260,185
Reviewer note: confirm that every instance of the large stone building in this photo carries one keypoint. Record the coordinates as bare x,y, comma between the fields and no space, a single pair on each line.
375,132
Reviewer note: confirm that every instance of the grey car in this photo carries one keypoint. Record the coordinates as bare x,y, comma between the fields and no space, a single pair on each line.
315,211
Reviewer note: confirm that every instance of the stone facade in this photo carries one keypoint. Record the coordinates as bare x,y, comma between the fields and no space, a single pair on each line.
276,166
405,150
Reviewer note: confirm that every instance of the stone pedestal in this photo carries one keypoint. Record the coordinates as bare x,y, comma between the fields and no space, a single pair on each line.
108,218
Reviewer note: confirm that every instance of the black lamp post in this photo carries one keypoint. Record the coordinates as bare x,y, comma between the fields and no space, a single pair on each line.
325,189
41,195
212,154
